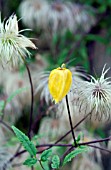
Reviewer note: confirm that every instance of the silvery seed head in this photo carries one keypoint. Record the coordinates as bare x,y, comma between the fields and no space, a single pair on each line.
13,45
96,95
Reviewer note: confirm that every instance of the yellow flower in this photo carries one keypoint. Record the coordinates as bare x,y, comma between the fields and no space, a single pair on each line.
60,81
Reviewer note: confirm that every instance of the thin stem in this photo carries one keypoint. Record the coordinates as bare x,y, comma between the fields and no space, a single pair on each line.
7,126
18,149
70,120
51,145
96,141
41,165
73,128
32,168
67,151
32,100
65,145
38,146
98,147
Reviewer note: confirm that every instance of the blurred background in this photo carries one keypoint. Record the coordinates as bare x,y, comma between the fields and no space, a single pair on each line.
75,32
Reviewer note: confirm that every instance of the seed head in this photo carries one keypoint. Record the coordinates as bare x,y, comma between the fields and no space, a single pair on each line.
13,45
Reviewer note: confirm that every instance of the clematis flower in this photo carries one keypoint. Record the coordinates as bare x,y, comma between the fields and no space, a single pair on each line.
42,83
13,45
60,81
96,95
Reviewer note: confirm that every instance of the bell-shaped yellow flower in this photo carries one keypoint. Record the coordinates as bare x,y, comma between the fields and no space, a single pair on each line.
60,81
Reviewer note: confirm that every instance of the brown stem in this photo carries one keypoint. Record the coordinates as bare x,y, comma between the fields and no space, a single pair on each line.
32,100
70,120
7,126
41,165
98,147
96,141
73,127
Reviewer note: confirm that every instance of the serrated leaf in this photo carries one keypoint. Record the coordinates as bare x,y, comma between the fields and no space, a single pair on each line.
46,154
74,153
15,93
55,162
28,145
30,162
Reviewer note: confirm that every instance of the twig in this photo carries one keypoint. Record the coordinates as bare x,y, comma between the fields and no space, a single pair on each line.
73,128
18,149
98,147
96,141
7,126
67,151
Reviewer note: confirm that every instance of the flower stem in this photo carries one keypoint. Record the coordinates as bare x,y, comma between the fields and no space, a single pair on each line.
32,96
32,100
70,120
73,128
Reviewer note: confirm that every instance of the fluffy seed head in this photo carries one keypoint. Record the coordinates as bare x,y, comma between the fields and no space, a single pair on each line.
13,45
97,94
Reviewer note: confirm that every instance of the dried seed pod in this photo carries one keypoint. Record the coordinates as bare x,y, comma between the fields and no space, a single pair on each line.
60,81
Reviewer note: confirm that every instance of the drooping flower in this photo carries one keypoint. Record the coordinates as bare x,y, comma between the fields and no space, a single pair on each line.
42,83
96,95
13,45
60,81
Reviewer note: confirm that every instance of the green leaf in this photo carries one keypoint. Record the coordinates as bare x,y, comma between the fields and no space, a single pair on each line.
55,162
28,145
80,137
46,154
15,93
30,162
74,153
46,165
